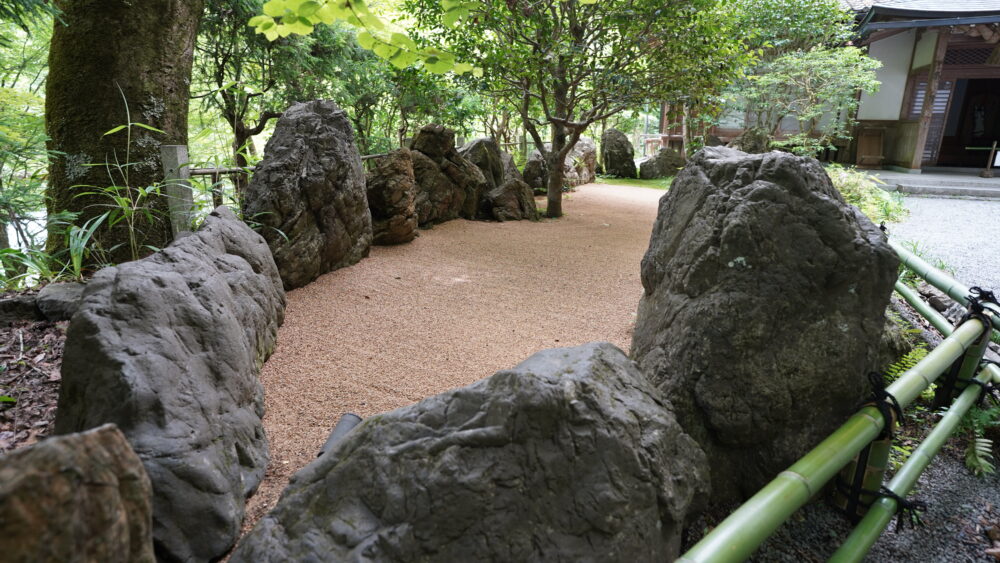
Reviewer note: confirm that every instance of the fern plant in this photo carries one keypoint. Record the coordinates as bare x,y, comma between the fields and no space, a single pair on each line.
979,456
979,450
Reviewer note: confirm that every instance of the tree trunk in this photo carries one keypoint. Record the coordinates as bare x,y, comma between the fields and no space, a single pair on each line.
109,50
555,160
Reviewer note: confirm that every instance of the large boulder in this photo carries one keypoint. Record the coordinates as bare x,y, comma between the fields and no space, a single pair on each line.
763,310
510,201
752,140
448,185
82,497
570,456
169,348
308,194
391,191
485,153
665,163
617,154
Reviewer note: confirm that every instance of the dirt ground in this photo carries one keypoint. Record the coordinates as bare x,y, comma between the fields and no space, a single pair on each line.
463,300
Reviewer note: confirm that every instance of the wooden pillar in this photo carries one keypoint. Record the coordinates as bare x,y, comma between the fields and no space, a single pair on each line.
926,112
664,108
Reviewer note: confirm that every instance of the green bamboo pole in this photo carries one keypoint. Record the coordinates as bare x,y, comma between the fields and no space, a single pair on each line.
970,363
913,298
736,537
952,287
882,511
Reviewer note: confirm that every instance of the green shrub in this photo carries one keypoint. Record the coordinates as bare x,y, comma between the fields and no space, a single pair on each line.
862,191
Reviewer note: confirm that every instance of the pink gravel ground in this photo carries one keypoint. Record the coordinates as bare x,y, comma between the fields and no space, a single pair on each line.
460,302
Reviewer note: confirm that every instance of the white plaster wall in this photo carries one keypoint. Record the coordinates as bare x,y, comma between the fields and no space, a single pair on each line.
894,52
924,52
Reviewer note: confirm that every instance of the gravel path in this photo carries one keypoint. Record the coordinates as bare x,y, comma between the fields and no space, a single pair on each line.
961,232
462,301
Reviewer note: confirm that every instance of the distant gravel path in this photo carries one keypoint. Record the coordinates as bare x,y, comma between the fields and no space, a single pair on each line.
964,233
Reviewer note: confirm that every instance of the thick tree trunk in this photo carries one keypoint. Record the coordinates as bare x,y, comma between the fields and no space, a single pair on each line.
107,50
555,161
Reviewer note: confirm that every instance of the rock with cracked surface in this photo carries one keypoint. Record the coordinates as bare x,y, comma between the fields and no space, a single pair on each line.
617,154
485,153
308,194
391,192
81,497
448,185
510,171
665,163
763,310
570,456
169,348
510,201
580,167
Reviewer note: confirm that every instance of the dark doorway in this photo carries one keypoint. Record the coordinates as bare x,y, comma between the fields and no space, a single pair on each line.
973,121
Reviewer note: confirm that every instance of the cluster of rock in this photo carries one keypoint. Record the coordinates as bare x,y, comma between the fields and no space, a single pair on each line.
308,194
665,163
617,154
754,310
54,302
169,348
572,455
580,167
477,181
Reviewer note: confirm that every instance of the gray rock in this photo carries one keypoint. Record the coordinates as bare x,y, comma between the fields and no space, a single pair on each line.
581,163
570,456
169,348
580,167
897,337
763,309
486,155
308,194
617,154
536,173
665,163
511,201
81,497
510,171
448,185
19,308
391,192
58,301
935,297
713,141
752,141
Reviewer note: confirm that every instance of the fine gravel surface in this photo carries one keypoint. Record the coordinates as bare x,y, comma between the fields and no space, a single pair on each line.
960,232
460,302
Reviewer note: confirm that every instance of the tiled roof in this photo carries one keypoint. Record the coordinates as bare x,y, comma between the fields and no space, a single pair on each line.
857,5
952,6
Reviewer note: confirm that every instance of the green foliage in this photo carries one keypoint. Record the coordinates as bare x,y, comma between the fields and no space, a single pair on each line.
818,88
782,26
908,276
910,359
979,456
282,18
862,191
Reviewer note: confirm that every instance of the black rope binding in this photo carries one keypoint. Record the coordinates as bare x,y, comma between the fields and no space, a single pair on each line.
909,509
987,388
978,296
886,404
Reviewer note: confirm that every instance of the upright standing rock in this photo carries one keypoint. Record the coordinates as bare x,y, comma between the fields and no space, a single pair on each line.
391,192
485,153
617,154
448,185
308,194
570,456
763,310
81,497
580,167
169,348
510,171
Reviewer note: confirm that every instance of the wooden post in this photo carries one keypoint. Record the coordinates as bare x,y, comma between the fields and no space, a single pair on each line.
684,131
926,112
176,187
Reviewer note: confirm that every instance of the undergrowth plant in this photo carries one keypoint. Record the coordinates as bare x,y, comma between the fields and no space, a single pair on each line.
979,449
863,191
